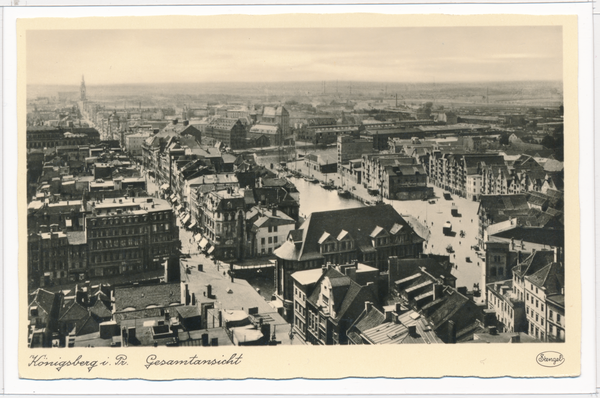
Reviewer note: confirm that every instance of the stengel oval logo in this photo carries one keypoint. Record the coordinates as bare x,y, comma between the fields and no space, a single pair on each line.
550,359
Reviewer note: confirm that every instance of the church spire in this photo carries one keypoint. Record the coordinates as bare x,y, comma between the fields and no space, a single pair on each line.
82,89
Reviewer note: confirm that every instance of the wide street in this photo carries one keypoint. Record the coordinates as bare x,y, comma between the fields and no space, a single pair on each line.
420,213
229,293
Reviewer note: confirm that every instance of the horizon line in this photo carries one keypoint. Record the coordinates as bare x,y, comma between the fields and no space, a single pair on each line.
302,81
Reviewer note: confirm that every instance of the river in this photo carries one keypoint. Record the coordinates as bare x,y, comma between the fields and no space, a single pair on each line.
314,198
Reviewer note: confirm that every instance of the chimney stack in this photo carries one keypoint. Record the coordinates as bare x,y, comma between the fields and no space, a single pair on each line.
437,291
451,332
175,121
412,331
368,306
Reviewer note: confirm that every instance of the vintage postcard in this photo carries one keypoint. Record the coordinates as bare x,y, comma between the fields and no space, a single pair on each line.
299,196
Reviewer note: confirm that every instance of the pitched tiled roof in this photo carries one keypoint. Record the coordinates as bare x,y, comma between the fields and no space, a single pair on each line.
354,302
141,297
70,310
44,299
359,222
100,310
550,277
369,319
534,262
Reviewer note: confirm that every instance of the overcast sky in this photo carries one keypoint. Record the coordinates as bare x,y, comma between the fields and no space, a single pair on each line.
240,55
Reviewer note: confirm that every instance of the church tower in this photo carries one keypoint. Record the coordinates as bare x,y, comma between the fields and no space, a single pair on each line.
82,89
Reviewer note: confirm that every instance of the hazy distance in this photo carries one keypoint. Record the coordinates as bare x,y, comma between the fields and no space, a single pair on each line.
407,55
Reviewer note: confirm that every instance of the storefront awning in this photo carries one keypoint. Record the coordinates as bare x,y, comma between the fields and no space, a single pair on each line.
164,187
193,224
198,237
212,249
178,208
186,219
203,243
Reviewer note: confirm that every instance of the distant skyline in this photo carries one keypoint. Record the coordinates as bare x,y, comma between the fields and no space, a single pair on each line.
438,54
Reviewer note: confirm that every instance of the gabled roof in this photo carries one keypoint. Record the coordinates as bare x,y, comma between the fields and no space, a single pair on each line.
349,296
550,277
536,261
99,309
44,300
70,310
358,222
369,319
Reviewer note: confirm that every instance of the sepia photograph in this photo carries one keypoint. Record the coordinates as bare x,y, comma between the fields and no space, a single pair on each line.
245,189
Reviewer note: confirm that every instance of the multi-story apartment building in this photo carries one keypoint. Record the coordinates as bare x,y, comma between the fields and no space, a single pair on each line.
373,166
110,237
222,216
129,235
509,309
50,137
350,148
269,229
277,116
459,172
334,302
538,281
229,131
133,142
544,294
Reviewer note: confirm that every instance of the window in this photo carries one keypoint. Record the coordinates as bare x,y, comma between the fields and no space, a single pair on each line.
558,318
270,229
262,241
275,228
542,306
551,314
270,239
274,239
536,303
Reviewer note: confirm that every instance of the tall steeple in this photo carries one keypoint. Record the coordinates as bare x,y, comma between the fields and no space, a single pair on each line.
82,89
